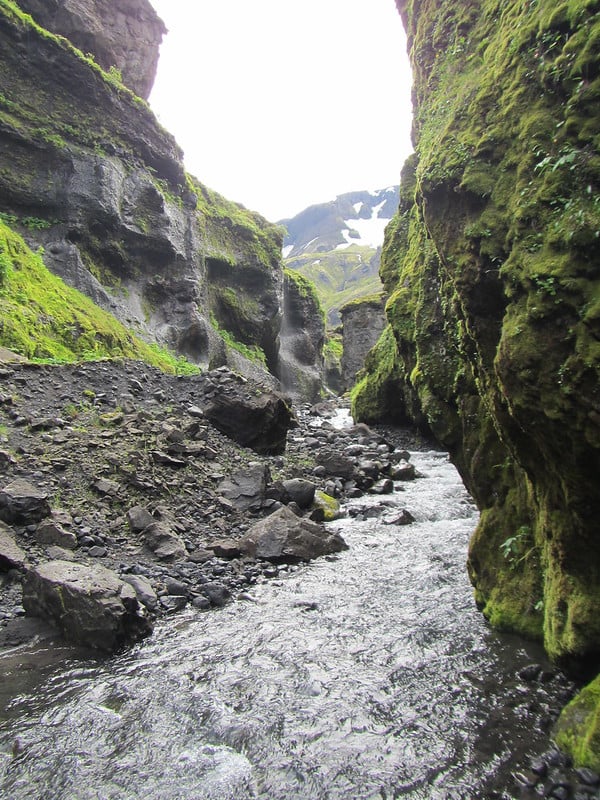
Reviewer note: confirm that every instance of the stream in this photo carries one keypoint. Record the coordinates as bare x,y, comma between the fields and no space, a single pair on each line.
367,675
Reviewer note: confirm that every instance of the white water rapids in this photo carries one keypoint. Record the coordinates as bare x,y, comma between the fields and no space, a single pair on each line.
368,675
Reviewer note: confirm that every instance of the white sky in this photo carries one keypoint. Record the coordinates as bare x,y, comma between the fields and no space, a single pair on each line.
279,104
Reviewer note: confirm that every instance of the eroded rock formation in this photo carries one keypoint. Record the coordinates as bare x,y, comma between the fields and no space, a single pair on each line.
124,35
88,174
362,324
492,267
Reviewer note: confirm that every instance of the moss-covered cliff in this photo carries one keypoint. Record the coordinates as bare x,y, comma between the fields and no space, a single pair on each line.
88,174
492,265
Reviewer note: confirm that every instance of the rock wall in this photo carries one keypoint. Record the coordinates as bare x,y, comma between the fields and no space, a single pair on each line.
494,321
301,340
88,174
362,324
125,34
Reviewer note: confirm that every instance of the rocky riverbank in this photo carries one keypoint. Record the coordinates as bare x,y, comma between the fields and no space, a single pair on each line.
164,483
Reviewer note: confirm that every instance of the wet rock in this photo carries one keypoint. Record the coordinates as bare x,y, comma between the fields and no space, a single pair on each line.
300,491
531,672
52,533
285,537
246,488
336,464
143,589
216,593
383,486
404,471
166,545
11,555
91,605
23,503
171,603
403,518
325,507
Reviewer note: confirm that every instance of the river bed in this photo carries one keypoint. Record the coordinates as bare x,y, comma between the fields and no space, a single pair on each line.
367,675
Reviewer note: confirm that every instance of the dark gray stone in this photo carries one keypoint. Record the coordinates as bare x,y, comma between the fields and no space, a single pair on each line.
246,488
285,537
300,491
91,605
166,545
23,503
11,555
52,533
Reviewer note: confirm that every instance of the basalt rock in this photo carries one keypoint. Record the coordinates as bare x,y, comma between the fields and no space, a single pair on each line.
285,537
90,605
89,175
251,415
493,333
125,35
301,339
362,324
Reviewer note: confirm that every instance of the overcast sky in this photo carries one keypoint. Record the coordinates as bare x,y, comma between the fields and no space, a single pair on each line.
279,104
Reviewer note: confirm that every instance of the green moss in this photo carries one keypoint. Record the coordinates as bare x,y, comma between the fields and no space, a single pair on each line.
327,504
42,318
491,270
578,729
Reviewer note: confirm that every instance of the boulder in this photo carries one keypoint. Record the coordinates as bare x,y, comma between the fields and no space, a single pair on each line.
23,503
300,491
285,537
252,416
166,545
51,532
325,507
144,590
336,463
246,488
92,606
11,555
139,518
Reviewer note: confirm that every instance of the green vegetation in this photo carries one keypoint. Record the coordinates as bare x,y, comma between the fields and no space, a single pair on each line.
226,226
339,276
578,730
491,268
43,319
251,352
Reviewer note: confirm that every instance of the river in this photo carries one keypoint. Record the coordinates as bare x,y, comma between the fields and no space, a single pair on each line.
367,675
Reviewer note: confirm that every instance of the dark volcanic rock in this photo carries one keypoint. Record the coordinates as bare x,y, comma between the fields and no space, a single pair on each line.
11,555
91,605
23,503
246,488
259,420
362,324
166,545
285,537
124,34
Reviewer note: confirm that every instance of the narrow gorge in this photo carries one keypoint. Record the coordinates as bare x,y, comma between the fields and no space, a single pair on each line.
493,331
165,427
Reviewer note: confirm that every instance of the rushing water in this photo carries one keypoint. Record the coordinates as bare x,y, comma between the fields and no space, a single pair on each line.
370,675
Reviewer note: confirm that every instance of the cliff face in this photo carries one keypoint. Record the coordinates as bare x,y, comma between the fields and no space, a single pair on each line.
87,173
494,314
124,35
301,340
362,323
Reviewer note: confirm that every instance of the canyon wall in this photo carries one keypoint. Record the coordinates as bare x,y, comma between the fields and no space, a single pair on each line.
89,175
492,267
